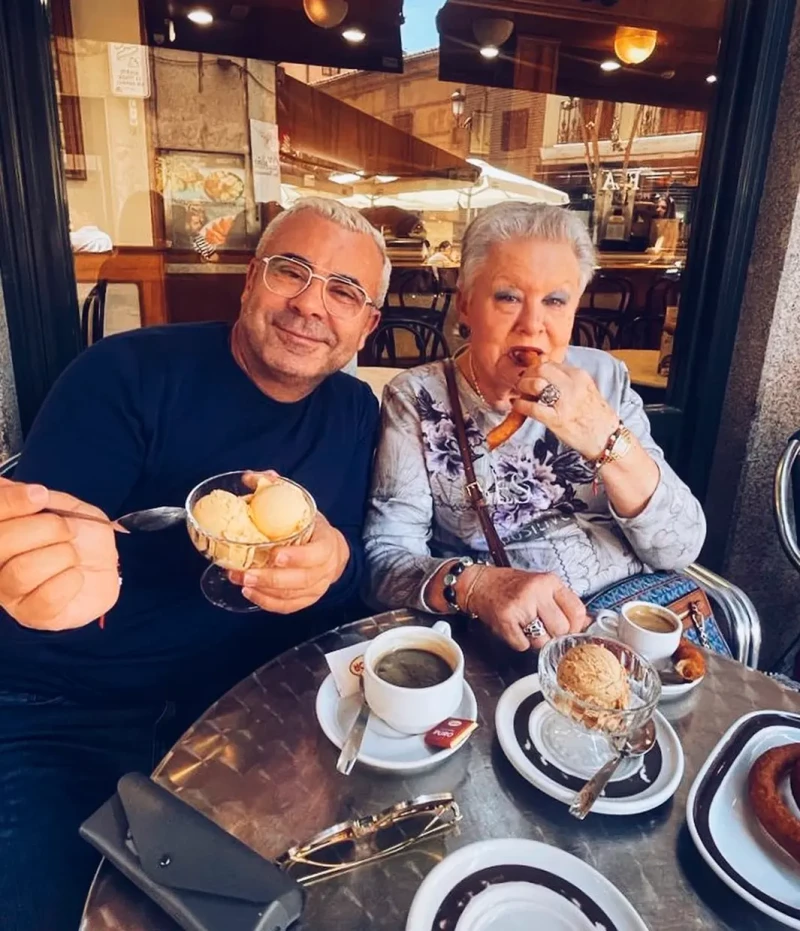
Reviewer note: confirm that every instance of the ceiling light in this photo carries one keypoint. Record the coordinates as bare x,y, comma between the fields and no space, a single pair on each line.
492,31
326,13
610,64
344,177
200,17
354,35
386,179
490,51
633,46
711,79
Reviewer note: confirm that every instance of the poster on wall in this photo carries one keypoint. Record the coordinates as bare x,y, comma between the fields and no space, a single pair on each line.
129,70
204,198
266,161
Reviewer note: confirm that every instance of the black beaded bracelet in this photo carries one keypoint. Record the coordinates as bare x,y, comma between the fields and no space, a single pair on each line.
450,579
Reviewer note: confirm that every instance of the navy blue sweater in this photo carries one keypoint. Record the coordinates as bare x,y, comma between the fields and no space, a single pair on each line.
136,422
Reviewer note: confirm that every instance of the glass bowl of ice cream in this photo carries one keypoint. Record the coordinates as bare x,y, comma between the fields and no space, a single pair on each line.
601,690
237,520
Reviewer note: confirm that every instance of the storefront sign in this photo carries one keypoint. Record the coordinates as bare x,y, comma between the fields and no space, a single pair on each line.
266,161
129,70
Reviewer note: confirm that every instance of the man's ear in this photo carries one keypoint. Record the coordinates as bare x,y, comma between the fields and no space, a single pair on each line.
369,327
253,269
462,307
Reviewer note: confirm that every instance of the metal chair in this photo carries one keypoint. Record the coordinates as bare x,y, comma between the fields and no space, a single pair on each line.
7,467
591,332
641,332
93,314
787,499
381,349
735,613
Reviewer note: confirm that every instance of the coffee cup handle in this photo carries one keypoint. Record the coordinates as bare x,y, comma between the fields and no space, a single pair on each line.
443,628
607,621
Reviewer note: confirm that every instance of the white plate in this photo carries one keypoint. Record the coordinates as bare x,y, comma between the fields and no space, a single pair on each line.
383,747
669,692
518,885
726,832
521,713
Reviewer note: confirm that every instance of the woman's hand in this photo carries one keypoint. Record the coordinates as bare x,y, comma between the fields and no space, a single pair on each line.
581,418
299,575
55,572
508,599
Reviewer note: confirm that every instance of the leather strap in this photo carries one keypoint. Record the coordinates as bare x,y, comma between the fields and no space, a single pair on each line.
493,541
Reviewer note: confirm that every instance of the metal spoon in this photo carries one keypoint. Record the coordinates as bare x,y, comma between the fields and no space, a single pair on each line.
635,744
148,520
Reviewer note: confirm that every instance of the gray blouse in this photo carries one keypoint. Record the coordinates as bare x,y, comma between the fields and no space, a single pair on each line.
539,493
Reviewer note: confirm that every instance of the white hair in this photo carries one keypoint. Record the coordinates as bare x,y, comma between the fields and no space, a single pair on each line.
515,220
347,217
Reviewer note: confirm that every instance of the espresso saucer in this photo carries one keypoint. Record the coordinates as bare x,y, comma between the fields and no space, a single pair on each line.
523,722
384,748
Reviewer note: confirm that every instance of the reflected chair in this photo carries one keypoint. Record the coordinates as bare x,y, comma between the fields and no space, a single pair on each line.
641,332
664,292
93,314
381,347
786,505
593,333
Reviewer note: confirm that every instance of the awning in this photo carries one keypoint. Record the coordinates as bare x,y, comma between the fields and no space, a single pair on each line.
318,129
494,186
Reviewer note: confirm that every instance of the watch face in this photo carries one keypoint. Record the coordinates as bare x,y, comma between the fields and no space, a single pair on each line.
622,445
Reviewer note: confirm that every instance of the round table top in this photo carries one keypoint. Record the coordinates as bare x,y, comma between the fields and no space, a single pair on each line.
258,764
642,365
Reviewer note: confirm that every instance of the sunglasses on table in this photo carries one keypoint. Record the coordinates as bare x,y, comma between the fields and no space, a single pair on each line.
351,844
289,277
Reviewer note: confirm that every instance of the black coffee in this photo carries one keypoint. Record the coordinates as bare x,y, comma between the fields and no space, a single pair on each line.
413,668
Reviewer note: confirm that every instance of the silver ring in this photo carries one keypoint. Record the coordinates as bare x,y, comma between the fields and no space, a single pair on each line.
550,395
534,629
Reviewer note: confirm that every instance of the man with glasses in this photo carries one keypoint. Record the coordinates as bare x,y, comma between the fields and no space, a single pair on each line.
108,649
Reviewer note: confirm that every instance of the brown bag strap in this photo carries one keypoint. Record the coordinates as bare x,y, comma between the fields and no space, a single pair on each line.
493,541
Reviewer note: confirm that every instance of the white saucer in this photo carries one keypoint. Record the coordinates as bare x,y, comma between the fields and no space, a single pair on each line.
383,747
518,885
724,828
669,692
522,716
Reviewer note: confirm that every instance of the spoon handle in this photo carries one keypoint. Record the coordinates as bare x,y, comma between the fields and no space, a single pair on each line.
585,799
77,515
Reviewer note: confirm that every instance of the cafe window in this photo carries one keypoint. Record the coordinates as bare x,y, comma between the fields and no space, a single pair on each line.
404,121
514,130
330,72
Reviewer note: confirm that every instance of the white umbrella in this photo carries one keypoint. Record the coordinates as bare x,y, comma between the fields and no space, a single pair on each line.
494,186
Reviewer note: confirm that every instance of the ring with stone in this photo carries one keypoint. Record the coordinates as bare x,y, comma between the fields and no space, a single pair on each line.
534,629
549,396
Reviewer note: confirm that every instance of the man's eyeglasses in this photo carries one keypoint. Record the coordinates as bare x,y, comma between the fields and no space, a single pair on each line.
353,843
290,277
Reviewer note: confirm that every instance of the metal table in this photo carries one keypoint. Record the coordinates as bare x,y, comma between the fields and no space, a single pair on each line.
258,764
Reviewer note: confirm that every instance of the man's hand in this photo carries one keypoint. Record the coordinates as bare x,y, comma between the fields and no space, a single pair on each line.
508,599
55,573
300,575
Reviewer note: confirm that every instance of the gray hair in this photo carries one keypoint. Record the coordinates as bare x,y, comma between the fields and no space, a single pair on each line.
515,220
347,217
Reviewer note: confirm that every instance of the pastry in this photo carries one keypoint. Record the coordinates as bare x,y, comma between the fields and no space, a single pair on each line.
525,356
764,792
689,662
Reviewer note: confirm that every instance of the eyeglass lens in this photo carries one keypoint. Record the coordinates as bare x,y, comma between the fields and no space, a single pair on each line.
288,277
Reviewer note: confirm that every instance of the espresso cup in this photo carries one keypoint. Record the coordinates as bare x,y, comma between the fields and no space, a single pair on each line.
650,630
414,710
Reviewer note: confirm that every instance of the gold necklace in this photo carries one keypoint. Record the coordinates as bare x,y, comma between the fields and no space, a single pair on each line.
474,380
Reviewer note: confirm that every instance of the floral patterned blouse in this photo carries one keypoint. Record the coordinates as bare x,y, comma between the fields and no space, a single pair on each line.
539,493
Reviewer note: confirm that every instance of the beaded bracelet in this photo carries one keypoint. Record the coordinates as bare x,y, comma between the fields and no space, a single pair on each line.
450,579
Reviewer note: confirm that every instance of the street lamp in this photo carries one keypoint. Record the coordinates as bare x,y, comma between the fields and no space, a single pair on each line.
457,101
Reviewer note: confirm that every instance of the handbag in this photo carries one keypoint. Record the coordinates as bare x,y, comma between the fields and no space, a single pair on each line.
667,589
200,875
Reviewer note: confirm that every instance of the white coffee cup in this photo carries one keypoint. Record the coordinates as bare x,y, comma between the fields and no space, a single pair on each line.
410,710
653,645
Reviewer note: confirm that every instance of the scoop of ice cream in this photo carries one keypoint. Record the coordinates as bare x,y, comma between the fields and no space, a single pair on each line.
593,674
279,509
227,517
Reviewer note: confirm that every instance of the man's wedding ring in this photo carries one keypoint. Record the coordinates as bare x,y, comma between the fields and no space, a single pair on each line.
549,396
534,629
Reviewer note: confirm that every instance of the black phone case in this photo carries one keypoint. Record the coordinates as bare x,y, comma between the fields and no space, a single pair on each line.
201,876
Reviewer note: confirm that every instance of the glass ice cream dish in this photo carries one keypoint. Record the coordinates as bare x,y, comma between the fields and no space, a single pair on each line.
601,692
237,520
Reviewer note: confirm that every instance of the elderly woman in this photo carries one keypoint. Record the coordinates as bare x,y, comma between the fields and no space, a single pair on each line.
579,495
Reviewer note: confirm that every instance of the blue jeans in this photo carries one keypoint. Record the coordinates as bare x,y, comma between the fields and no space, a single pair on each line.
59,761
